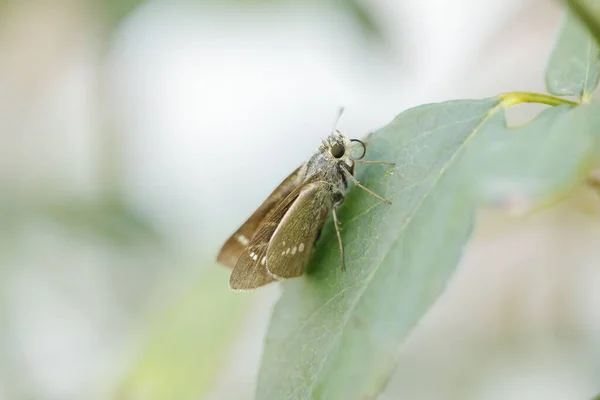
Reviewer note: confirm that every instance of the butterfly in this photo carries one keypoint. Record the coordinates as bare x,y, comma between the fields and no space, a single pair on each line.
277,240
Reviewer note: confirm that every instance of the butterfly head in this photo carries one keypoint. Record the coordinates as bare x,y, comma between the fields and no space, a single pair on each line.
338,148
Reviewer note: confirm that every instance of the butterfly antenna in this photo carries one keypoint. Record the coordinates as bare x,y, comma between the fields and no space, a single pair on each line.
337,118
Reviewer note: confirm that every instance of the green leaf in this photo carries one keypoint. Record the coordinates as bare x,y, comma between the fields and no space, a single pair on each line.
592,114
334,334
574,65
115,11
590,16
534,164
189,343
365,19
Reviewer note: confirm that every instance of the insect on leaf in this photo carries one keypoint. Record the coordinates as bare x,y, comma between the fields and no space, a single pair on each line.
333,334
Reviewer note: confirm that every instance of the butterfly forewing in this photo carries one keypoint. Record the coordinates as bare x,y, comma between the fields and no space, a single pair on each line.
291,245
235,245
250,271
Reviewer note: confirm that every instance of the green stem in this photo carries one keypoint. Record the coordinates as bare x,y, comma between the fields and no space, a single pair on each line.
514,98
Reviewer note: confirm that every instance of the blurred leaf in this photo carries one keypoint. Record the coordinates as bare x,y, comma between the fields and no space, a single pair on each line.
536,163
335,335
590,16
574,65
115,11
364,18
189,343
361,12
113,221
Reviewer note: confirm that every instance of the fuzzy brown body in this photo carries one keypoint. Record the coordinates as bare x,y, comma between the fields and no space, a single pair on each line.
276,242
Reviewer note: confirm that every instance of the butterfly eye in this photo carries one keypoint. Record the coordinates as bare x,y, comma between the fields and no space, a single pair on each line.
338,150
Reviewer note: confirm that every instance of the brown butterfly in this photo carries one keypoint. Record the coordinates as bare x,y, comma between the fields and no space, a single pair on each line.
276,242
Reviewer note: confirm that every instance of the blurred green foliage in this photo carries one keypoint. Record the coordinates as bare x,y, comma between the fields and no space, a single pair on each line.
115,222
360,12
588,12
115,11
188,342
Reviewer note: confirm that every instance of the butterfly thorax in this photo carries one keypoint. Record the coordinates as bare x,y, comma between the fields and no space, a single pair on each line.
325,166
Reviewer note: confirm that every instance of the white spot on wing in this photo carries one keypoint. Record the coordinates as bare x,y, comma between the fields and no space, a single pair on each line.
263,261
288,251
243,240
294,250
255,257
301,247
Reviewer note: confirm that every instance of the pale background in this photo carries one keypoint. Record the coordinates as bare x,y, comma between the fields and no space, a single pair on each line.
128,156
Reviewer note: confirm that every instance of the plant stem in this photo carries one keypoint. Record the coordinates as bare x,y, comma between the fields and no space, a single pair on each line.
514,98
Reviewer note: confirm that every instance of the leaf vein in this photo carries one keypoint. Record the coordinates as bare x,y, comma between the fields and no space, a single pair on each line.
437,128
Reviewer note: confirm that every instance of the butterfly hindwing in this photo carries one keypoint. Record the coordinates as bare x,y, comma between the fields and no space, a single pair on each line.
235,245
250,271
291,245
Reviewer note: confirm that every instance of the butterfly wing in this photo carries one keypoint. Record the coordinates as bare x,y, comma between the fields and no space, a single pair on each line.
235,245
291,246
250,271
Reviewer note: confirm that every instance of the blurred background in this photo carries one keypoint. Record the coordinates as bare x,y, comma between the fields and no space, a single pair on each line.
135,136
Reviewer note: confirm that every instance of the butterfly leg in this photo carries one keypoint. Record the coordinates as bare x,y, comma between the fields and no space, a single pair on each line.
339,235
357,183
374,162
